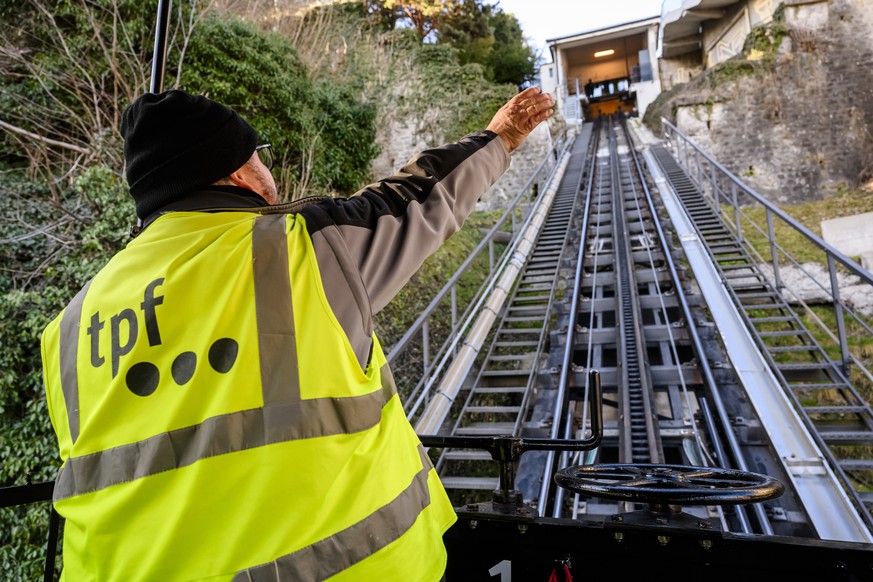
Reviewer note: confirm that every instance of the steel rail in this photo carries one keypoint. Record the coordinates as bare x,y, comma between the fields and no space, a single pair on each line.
635,389
671,340
566,360
589,354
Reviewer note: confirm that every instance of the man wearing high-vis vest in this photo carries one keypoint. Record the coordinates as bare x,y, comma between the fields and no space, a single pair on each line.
222,406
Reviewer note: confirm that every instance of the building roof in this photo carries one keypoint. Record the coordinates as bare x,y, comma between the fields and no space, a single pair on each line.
681,20
618,29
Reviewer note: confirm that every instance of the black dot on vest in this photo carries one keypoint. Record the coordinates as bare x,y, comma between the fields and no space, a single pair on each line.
143,378
183,367
222,355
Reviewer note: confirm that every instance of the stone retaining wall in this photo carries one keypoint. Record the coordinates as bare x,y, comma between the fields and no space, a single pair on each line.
802,127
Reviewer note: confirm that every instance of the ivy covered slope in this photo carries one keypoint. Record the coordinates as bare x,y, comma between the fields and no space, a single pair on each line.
318,92
66,209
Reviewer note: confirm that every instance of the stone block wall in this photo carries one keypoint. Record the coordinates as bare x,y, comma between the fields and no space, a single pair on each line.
800,127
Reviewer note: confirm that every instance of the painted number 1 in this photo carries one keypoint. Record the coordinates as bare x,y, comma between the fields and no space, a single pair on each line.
504,568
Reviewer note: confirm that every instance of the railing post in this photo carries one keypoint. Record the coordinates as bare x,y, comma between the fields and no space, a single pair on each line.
491,251
777,278
425,344
454,306
685,157
578,107
699,170
52,546
715,192
838,313
736,212
692,169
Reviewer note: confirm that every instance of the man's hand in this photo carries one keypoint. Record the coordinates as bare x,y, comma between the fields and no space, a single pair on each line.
515,120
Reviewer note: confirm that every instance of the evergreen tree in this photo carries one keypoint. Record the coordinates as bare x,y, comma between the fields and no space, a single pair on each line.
511,59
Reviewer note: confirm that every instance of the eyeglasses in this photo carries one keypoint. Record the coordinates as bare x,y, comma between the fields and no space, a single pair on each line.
265,154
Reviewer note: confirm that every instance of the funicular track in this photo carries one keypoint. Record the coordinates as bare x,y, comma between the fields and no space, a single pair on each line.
837,416
642,442
634,324
656,350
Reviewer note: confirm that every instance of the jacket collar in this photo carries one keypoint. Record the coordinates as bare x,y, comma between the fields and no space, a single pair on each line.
213,197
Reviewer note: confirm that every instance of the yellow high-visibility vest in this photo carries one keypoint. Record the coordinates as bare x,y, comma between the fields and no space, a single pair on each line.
215,424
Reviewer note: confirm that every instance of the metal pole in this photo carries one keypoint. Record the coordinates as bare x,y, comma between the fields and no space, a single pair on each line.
736,212
159,56
776,276
685,157
425,344
838,313
52,547
578,102
715,194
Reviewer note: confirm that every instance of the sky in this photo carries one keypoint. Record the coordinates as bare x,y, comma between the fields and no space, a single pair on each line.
542,19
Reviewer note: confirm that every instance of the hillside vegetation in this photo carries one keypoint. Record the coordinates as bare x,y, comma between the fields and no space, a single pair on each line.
320,84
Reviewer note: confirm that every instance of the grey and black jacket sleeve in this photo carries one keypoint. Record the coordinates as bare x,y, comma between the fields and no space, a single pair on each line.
369,245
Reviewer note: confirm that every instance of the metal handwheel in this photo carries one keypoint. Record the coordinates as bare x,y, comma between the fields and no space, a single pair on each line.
669,484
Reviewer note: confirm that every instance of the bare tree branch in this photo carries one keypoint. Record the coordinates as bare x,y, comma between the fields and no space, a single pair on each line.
62,144
43,230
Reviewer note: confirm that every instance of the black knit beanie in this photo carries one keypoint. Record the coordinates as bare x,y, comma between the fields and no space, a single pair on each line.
175,143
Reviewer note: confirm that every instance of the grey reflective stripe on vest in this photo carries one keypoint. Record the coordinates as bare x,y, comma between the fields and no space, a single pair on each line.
284,416
344,549
220,435
69,355
275,316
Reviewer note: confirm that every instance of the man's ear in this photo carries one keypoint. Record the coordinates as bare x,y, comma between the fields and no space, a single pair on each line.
239,178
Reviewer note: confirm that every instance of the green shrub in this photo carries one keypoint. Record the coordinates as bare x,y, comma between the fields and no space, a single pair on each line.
85,227
324,138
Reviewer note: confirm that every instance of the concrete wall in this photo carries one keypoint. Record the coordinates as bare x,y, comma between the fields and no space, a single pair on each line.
646,93
549,78
680,70
724,38
609,69
851,235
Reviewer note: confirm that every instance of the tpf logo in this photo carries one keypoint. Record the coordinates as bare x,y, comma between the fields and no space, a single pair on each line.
143,378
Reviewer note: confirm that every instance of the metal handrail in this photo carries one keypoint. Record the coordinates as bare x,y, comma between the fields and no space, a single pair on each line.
36,493
848,263
724,188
